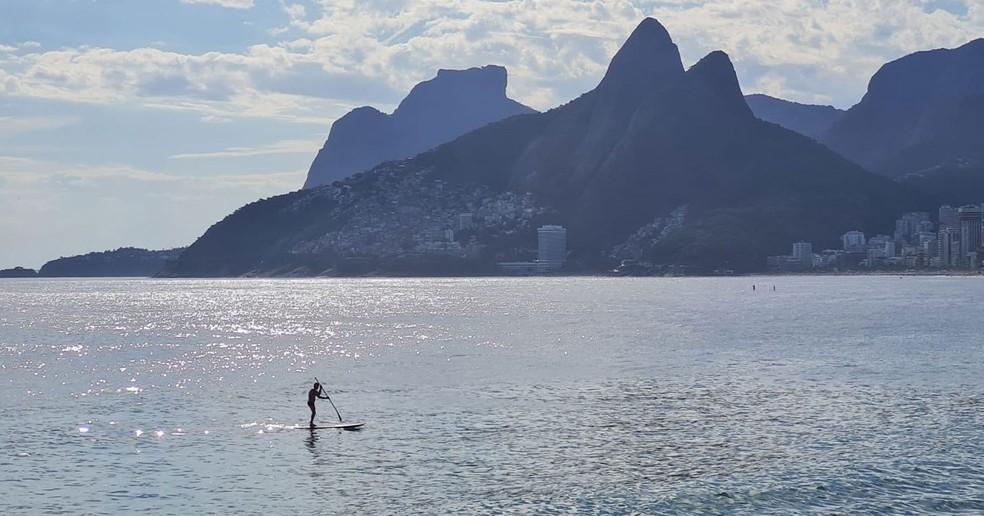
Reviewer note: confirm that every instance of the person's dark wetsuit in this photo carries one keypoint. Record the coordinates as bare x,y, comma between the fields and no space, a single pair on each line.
314,394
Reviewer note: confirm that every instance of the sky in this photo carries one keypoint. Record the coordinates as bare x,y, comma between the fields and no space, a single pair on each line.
143,122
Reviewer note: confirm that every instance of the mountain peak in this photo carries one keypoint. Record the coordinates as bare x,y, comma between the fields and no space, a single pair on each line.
648,55
489,73
717,74
650,29
469,85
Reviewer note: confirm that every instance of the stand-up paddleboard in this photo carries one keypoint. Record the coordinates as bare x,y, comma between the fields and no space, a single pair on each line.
337,426
340,424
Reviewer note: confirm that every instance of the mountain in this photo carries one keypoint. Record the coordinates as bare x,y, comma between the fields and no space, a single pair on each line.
123,262
657,162
922,114
18,272
806,119
435,111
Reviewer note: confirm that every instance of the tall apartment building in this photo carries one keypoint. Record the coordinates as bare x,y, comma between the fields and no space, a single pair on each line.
552,245
970,234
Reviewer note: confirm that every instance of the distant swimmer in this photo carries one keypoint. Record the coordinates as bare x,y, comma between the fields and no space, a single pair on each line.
313,394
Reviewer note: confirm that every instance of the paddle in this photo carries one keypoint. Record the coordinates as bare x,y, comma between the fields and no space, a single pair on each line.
322,388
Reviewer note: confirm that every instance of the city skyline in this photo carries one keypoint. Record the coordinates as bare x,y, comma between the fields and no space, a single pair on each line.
953,242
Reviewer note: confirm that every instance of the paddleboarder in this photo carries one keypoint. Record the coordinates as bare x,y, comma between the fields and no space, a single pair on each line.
314,394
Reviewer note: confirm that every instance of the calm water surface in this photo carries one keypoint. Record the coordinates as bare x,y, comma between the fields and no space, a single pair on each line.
836,394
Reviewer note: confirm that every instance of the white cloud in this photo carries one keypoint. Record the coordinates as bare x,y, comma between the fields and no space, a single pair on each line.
554,50
231,4
218,85
14,126
309,147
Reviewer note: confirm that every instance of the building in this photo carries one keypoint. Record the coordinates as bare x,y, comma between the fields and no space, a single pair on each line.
948,217
551,246
853,241
803,253
909,225
832,258
551,253
891,249
970,234
466,221
881,243
948,247
520,268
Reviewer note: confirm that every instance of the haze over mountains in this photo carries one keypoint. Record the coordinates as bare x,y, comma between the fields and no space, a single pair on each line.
435,111
921,110
654,149
921,122
807,119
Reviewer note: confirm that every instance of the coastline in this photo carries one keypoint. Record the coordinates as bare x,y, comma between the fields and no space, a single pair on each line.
559,275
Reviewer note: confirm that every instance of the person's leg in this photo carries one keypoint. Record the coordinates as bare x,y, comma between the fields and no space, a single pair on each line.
313,412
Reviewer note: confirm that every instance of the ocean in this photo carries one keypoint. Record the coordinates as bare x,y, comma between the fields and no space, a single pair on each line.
853,394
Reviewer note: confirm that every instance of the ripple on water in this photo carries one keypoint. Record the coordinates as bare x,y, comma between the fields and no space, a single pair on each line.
490,396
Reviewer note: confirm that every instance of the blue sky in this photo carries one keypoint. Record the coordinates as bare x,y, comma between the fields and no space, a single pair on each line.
141,123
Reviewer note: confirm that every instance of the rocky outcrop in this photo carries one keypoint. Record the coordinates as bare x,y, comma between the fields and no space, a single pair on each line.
18,272
435,112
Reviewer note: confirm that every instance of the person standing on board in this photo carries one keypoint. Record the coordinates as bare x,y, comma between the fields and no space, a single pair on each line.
314,394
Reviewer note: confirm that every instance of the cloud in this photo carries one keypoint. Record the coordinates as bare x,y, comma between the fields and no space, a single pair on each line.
53,209
217,85
231,4
309,147
337,54
15,126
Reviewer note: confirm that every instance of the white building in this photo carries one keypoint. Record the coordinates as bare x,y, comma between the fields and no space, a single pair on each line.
552,246
803,253
853,241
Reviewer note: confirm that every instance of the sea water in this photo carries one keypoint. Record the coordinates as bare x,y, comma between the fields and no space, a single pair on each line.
552,395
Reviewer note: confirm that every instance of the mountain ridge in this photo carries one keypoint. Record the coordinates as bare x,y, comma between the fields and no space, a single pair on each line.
433,112
620,157
807,119
122,262
912,101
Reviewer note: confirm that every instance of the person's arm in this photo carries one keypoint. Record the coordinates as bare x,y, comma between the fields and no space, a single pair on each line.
321,390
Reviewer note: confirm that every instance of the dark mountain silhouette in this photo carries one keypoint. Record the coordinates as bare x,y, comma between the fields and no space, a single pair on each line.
123,262
921,113
18,272
806,119
435,111
651,141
